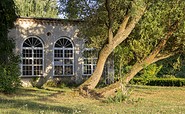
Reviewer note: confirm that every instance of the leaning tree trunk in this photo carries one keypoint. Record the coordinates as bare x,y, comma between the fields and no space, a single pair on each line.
121,84
153,57
41,81
124,30
94,79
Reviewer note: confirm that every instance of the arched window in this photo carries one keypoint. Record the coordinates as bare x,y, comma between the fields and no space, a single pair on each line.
63,57
32,57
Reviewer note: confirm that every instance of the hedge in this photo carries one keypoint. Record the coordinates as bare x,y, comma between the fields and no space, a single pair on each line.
160,81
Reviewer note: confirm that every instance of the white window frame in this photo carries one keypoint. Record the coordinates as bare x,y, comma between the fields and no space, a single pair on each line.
92,64
63,58
32,58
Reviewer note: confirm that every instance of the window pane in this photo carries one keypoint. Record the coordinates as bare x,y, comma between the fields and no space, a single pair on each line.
27,53
58,62
27,70
87,61
38,61
37,70
38,44
26,44
87,69
33,41
68,53
27,61
68,61
58,53
37,53
68,70
58,70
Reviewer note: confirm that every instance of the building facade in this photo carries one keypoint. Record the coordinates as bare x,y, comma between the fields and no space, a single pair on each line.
53,48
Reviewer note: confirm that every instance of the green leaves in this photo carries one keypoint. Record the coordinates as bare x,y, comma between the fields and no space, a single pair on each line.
158,20
37,8
9,68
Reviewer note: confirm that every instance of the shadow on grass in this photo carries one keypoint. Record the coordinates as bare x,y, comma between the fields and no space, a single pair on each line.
33,92
33,107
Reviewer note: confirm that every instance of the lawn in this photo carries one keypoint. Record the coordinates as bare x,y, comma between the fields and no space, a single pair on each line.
143,100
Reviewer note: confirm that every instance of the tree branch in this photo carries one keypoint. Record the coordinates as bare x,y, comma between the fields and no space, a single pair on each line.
110,16
162,43
123,24
126,28
161,57
164,56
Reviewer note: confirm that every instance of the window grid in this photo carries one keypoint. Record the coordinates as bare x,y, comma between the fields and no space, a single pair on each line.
89,61
32,57
63,58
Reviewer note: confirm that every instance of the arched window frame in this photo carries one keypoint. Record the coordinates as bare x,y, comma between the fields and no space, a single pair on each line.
31,61
59,61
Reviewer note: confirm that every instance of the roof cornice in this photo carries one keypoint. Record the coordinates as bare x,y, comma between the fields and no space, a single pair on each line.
47,21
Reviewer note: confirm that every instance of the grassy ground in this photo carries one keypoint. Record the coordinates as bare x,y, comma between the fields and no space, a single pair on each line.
143,100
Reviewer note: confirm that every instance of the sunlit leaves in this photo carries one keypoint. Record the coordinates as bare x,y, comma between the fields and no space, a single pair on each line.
37,8
155,24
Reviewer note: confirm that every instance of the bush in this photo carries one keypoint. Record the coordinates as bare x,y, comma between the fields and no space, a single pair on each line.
149,72
119,97
161,81
9,76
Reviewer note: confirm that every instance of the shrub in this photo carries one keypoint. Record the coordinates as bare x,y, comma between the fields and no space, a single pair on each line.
161,81
149,72
119,97
9,76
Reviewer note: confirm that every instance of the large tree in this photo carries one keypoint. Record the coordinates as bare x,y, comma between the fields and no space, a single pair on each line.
152,30
111,24
158,35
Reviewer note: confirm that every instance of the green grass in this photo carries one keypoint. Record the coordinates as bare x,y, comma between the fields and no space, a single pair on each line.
143,100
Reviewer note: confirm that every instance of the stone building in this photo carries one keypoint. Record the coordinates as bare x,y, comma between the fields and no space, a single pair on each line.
52,47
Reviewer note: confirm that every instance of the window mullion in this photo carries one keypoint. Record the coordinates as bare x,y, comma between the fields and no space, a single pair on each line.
63,65
32,61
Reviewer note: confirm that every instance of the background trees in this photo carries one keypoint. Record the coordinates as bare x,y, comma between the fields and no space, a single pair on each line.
37,8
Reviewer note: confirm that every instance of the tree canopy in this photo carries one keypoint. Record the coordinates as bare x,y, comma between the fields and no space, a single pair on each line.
37,8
